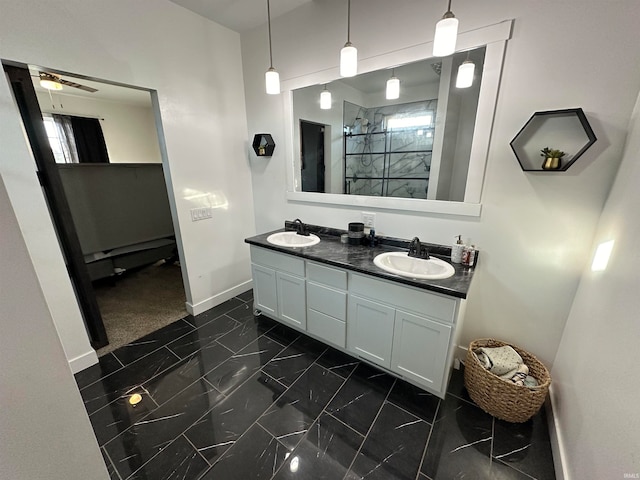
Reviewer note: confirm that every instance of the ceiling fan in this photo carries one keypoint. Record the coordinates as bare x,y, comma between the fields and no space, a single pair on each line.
52,81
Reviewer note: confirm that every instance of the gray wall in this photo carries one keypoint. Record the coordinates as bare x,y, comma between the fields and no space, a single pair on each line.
45,431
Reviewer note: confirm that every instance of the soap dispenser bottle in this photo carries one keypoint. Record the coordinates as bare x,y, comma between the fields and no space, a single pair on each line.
457,249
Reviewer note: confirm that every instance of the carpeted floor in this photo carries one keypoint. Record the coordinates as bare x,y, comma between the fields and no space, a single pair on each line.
140,302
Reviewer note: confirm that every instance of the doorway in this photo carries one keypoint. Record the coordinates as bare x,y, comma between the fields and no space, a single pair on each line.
312,156
109,202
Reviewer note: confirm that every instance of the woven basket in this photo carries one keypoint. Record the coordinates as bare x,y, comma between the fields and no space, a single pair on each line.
501,398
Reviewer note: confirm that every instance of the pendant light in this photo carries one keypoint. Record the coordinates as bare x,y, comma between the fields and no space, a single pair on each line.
444,42
393,87
272,77
325,99
465,74
349,53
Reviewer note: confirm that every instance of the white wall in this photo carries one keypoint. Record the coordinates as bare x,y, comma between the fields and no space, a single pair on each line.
535,230
129,130
45,430
596,388
195,66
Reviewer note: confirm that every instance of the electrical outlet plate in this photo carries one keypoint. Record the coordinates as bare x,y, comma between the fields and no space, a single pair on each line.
369,219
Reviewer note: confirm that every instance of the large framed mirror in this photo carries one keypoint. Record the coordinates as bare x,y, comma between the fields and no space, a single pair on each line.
425,151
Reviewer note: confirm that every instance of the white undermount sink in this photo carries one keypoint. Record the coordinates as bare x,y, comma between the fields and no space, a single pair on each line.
400,263
292,239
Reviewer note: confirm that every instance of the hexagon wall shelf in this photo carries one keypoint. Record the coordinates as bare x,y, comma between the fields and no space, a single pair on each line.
263,144
567,130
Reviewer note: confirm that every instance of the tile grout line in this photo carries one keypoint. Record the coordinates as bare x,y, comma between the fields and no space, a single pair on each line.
160,405
255,422
155,350
391,402
275,379
117,359
343,423
426,445
111,461
214,339
194,447
370,428
493,433
504,464
182,433
344,381
129,388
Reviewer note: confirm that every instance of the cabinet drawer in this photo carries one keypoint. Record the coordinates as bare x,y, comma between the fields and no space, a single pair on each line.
429,304
328,328
278,261
327,275
327,300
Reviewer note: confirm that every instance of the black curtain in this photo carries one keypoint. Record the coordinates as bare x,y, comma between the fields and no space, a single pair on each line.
89,140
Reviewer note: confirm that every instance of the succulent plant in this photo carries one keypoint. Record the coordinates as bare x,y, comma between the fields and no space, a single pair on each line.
551,153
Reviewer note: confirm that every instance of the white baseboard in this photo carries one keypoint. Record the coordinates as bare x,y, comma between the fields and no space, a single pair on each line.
555,435
203,306
461,353
83,361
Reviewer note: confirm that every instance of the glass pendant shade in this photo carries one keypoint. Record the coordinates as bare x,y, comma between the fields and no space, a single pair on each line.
325,99
393,88
272,81
465,74
50,83
444,42
348,60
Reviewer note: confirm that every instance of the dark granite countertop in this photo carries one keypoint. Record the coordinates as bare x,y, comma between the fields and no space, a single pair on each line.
358,258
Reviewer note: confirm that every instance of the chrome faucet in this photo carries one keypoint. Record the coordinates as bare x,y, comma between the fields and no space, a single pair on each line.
417,250
301,228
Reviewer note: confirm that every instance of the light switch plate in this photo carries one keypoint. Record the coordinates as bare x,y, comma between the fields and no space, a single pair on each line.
201,213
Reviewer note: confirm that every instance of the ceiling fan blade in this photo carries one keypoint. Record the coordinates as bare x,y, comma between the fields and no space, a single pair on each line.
68,83
77,85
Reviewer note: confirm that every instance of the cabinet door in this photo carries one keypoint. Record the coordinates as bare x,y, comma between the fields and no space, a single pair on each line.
264,290
292,305
370,330
420,348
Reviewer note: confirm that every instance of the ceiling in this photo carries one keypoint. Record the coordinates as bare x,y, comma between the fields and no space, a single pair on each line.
239,15
106,91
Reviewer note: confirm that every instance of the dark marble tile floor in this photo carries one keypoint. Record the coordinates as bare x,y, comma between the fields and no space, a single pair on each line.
226,395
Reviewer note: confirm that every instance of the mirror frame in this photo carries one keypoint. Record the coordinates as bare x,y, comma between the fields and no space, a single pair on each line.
494,37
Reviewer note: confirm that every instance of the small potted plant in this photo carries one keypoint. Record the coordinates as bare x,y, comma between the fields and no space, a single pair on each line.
552,158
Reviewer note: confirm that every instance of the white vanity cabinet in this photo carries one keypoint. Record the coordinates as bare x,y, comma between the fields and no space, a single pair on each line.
370,330
420,348
279,286
409,331
406,330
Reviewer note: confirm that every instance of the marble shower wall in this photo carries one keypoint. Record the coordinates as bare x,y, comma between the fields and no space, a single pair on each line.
383,161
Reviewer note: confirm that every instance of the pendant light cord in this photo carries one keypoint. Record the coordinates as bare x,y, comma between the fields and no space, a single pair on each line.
269,23
349,21
449,7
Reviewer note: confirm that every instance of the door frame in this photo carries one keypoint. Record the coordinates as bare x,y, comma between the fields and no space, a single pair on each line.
49,177
324,153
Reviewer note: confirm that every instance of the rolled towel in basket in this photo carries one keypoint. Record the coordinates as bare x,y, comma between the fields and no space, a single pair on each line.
501,361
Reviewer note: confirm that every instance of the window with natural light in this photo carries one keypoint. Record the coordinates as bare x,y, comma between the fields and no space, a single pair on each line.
409,122
54,140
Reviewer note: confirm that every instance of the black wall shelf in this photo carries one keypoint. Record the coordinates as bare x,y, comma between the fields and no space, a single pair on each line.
263,144
567,130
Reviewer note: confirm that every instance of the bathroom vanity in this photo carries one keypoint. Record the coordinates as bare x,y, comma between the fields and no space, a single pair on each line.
335,293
